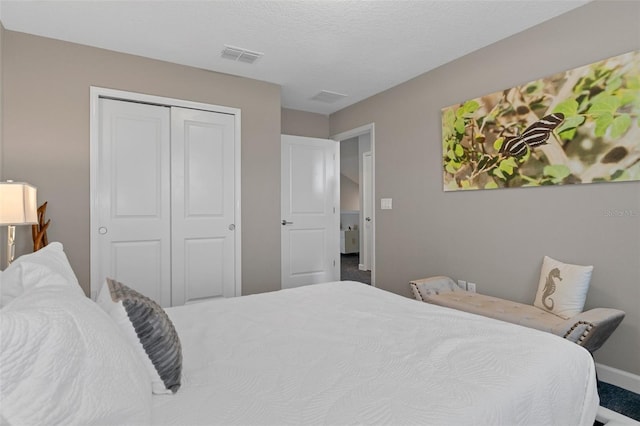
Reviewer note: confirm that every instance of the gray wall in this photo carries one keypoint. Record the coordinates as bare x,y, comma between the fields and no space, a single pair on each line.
497,238
349,194
3,229
302,123
349,160
349,175
46,139
1,94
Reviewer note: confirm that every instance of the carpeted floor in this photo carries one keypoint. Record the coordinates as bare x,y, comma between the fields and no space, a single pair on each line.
349,269
619,400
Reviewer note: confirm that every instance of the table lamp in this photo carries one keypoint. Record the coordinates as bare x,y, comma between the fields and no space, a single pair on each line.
18,206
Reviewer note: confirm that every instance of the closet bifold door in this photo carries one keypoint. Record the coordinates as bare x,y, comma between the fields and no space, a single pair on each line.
203,205
133,197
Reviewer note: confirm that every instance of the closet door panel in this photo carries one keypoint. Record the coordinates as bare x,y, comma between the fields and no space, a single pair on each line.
203,173
138,264
133,183
204,267
137,166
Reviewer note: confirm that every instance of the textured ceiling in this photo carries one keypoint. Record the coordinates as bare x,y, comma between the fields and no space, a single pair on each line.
357,48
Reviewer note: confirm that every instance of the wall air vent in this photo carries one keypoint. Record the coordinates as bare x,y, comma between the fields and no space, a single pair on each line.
328,97
239,54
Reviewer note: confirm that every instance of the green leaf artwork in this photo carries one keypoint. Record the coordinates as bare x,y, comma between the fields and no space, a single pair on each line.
577,126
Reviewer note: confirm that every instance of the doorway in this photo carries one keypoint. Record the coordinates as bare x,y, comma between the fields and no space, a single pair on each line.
357,215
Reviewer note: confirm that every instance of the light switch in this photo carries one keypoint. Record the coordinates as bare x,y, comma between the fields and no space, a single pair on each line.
385,203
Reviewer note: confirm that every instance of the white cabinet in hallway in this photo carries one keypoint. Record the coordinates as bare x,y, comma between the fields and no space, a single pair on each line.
349,241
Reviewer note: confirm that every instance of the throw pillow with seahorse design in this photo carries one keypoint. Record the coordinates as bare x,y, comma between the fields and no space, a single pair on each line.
562,289
550,288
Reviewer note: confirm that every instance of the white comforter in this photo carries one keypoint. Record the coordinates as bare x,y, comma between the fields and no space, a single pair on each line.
347,353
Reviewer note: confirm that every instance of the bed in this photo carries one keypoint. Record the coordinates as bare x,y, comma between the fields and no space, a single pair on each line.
333,353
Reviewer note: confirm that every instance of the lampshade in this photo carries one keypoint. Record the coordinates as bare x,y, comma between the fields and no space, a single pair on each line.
18,203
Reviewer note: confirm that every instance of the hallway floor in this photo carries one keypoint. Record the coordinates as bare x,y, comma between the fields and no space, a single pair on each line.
349,269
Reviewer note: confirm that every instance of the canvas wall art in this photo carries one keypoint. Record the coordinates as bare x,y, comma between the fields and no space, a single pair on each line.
577,126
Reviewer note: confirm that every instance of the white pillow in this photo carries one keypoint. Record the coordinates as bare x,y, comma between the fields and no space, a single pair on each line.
52,256
10,283
29,271
149,331
563,287
63,361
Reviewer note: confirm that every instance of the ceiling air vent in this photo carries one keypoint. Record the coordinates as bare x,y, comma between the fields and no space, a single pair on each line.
240,55
328,97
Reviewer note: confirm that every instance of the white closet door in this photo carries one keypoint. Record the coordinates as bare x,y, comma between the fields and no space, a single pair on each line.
203,205
132,192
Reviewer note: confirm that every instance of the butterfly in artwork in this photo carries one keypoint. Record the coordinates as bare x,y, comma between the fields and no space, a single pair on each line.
535,135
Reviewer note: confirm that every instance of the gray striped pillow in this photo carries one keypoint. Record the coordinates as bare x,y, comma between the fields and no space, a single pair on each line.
154,331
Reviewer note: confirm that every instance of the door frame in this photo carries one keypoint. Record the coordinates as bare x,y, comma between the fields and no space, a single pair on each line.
95,93
359,131
367,236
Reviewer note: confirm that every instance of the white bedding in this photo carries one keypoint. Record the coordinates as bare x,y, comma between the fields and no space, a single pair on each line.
347,353
62,359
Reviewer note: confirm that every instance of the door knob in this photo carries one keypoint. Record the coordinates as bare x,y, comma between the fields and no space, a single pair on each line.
284,222
368,219
102,230
232,227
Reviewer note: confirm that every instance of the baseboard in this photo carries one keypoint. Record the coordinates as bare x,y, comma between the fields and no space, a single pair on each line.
620,378
611,418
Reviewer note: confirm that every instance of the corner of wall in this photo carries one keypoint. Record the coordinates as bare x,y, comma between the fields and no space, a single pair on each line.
303,123
1,99
3,230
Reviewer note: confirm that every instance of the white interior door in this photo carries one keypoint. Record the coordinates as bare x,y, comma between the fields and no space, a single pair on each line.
202,166
132,191
367,209
310,194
